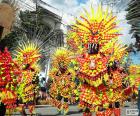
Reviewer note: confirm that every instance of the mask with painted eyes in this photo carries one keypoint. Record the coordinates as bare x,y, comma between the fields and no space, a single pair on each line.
93,48
114,65
61,64
62,67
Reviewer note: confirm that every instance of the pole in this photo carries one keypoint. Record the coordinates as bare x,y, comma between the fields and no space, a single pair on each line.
36,15
47,67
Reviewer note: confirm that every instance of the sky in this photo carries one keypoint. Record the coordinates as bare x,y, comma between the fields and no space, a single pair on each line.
81,1
70,9
135,57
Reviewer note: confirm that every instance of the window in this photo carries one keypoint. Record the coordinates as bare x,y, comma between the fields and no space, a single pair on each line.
1,31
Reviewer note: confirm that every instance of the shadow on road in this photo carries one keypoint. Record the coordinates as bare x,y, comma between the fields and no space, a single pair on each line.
72,112
69,113
46,115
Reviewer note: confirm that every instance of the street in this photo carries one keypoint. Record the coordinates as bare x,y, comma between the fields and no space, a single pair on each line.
47,110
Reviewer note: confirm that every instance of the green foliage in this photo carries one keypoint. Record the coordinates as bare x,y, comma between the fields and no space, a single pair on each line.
32,24
11,40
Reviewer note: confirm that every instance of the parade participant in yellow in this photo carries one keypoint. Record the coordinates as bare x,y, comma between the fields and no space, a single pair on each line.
62,75
94,40
134,78
27,55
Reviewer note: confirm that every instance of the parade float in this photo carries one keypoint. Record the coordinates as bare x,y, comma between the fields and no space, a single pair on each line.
94,40
10,75
27,55
63,76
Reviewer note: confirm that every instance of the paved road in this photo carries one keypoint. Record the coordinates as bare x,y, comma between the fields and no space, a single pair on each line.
74,111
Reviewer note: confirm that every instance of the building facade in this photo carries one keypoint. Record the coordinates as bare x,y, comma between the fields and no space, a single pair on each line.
55,34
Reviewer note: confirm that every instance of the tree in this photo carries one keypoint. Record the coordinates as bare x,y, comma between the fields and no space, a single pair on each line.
130,48
11,40
133,17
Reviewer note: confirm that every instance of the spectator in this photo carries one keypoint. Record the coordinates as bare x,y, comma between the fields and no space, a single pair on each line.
43,88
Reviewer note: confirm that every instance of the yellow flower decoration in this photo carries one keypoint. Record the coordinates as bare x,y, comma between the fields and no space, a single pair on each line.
61,57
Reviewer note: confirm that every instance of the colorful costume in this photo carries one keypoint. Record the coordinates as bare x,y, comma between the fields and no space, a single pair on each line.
27,56
93,38
10,75
134,77
62,75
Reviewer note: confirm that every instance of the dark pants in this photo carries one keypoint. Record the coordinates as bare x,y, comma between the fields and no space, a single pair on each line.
117,104
2,109
43,89
59,97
